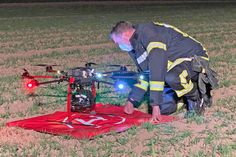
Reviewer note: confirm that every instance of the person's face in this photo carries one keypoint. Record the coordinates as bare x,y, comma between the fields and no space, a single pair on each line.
122,40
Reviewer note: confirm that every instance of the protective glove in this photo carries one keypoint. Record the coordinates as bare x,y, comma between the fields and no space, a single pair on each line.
207,79
206,74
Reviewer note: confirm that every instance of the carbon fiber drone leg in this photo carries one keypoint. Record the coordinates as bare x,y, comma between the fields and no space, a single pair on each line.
71,81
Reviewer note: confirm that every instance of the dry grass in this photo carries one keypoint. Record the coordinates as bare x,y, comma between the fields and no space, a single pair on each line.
70,36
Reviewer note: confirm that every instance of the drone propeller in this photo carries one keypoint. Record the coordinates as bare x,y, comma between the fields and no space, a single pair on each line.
80,68
119,65
122,67
25,70
124,74
114,71
89,64
46,65
124,77
25,74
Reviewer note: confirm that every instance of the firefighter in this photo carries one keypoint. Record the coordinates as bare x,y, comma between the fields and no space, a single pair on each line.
167,54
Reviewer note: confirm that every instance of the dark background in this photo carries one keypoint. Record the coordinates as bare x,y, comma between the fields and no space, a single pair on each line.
33,1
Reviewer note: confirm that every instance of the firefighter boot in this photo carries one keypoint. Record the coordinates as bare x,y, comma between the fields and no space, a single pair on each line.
195,104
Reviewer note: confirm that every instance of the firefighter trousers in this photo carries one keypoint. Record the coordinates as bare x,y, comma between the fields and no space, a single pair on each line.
180,81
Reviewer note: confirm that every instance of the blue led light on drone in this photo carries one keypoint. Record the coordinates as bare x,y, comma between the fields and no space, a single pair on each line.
98,75
141,77
121,86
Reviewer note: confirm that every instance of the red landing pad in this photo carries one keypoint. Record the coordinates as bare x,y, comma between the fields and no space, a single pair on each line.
105,119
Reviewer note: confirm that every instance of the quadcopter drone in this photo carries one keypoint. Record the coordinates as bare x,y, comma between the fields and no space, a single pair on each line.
82,83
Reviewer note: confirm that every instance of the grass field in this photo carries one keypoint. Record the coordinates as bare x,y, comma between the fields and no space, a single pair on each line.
71,35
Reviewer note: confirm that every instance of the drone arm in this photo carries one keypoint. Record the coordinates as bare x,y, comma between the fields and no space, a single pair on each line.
105,82
46,76
53,81
49,82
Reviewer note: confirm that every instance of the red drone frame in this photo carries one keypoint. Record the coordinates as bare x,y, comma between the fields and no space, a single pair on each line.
31,83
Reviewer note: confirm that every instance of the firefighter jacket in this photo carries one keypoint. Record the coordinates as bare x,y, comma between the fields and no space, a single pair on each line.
157,48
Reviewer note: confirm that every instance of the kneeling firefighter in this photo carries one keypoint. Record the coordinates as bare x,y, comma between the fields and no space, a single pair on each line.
177,64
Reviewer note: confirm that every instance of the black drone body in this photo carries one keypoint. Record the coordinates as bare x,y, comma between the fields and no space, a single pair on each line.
82,89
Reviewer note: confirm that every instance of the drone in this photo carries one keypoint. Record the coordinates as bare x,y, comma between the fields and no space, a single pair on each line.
83,82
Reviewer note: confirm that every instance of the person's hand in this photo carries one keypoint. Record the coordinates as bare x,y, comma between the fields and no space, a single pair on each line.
129,108
156,114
